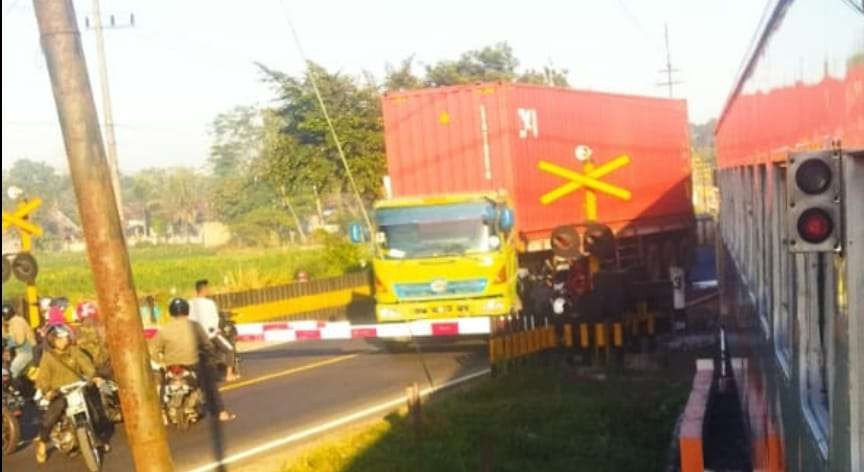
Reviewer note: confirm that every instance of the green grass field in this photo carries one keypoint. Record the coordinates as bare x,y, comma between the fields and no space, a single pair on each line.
538,419
163,271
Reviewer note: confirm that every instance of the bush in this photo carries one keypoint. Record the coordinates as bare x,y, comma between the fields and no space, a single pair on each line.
340,255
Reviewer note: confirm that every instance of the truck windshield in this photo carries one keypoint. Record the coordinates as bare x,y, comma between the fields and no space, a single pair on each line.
435,231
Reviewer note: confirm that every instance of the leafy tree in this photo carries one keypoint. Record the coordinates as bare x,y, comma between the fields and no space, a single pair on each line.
492,63
264,226
38,179
702,135
236,140
549,75
303,153
402,77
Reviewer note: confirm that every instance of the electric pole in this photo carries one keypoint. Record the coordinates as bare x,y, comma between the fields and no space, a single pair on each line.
107,112
106,245
668,70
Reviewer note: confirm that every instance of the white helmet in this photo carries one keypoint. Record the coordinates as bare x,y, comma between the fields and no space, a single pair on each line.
558,306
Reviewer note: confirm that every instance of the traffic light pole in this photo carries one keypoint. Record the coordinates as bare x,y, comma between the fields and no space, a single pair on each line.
106,245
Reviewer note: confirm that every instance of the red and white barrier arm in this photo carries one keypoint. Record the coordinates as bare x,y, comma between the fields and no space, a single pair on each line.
290,331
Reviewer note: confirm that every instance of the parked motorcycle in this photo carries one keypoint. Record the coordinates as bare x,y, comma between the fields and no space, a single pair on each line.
182,398
75,431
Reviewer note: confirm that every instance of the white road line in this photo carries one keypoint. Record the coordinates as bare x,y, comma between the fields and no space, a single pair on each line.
294,437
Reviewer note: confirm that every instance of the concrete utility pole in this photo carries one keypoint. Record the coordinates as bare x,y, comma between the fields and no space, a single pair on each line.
668,70
107,112
106,246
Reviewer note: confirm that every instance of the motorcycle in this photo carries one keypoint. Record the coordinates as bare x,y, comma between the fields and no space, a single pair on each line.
182,398
75,431
226,340
562,300
13,406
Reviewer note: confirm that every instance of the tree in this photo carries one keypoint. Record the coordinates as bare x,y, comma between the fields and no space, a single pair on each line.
702,136
38,179
303,153
549,75
181,200
402,77
492,63
236,140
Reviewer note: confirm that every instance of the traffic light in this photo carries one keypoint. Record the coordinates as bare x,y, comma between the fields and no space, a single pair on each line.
813,201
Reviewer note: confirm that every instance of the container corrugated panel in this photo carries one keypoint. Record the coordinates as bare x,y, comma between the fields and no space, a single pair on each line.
494,137
435,142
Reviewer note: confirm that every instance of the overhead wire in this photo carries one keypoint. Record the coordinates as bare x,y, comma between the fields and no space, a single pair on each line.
858,8
314,81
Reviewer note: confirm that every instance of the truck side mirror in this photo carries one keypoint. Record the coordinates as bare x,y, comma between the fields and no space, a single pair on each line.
355,232
506,219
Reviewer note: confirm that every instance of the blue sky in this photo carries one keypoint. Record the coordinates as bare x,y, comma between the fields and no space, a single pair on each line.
187,60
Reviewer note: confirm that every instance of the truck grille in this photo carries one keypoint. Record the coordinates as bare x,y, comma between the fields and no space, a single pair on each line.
454,288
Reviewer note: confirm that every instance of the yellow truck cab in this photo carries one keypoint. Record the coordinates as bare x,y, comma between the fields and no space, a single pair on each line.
444,256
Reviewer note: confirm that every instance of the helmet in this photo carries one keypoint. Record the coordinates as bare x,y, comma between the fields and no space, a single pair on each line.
8,311
56,316
178,307
56,332
60,302
86,310
44,304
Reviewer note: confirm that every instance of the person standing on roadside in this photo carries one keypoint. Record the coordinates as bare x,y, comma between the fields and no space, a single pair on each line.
203,310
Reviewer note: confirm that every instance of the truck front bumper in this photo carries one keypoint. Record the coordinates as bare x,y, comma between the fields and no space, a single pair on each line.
438,309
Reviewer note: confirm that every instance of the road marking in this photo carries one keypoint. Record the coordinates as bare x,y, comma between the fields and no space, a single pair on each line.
294,437
285,373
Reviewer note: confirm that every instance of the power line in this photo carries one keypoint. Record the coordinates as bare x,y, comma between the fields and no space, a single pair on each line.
858,8
314,81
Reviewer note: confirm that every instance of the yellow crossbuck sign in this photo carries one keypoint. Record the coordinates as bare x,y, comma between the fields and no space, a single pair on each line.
589,179
18,218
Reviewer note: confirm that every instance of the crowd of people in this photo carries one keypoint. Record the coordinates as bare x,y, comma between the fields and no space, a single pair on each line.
63,351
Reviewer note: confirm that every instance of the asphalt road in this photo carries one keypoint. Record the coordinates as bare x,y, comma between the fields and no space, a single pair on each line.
288,389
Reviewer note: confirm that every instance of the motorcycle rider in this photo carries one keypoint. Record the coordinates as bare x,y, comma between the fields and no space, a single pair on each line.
62,364
19,336
203,310
182,341
90,337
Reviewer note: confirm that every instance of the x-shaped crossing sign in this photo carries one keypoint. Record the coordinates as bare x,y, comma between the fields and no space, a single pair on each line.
589,179
18,218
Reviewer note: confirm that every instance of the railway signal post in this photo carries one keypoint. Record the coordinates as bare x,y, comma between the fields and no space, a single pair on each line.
24,266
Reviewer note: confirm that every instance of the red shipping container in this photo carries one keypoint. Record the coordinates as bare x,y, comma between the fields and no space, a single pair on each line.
524,139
